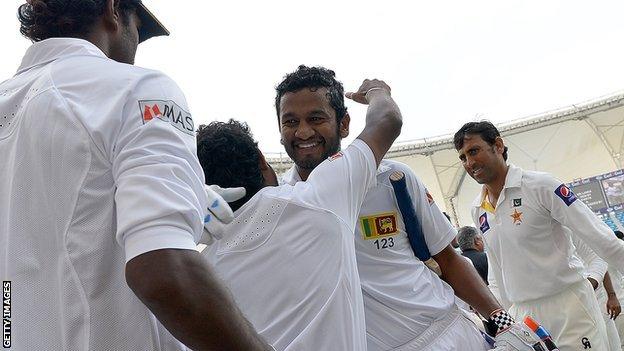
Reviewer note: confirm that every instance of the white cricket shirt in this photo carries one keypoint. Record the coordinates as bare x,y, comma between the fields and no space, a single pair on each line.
402,297
98,166
289,259
528,237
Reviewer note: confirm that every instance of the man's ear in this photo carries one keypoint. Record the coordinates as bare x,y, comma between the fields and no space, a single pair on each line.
344,126
112,16
499,144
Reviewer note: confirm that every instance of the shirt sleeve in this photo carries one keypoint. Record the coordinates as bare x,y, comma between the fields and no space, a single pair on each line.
571,212
437,229
340,183
595,267
160,198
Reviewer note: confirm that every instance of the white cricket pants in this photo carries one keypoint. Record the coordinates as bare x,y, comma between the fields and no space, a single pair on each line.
452,333
572,317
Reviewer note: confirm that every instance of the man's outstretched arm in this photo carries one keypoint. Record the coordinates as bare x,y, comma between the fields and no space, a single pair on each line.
180,289
461,275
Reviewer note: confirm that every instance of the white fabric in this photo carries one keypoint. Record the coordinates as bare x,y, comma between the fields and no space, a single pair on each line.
289,258
617,279
569,316
595,267
452,333
615,343
87,185
534,257
402,297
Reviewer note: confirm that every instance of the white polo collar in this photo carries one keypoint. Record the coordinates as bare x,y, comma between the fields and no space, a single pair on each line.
48,50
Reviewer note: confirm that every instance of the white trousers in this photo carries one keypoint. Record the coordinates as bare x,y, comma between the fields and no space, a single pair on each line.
619,323
612,333
452,333
572,317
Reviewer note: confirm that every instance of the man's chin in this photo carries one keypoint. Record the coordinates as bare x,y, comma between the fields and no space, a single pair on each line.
308,163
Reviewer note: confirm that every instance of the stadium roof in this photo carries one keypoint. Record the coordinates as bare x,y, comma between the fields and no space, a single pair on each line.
574,142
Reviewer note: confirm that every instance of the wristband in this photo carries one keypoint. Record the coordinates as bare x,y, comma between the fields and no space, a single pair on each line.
501,320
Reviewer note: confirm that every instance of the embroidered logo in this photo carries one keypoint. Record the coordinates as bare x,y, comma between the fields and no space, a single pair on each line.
517,202
167,111
586,343
565,194
378,225
483,223
517,217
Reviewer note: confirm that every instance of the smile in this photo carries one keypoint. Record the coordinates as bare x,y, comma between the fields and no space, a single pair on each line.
308,145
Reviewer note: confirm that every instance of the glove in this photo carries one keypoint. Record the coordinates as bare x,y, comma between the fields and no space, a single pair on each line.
219,212
518,338
511,336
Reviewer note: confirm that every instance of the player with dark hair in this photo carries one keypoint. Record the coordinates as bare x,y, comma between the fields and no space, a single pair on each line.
485,129
529,221
407,306
288,255
103,197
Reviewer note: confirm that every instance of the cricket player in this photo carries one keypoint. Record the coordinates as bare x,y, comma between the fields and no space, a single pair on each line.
408,307
102,194
528,220
288,256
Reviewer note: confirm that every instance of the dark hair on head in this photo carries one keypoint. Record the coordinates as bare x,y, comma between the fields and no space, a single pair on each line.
619,234
465,237
43,19
313,78
230,157
485,129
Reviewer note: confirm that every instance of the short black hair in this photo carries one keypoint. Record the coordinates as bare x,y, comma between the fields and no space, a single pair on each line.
230,157
465,237
43,19
485,129
619,234
313,78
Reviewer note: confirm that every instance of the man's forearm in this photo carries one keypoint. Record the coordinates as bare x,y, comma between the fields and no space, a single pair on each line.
466,282
185,296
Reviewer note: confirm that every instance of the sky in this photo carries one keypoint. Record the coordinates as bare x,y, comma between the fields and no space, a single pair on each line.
447,62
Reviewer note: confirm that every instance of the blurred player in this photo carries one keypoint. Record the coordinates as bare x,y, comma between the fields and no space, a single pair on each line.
101,186
527,220
288,256
408,307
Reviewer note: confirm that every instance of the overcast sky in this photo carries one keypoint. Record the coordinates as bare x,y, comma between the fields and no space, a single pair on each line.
447,62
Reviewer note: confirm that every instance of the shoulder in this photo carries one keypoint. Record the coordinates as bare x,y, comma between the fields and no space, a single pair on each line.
105,74
539,181
386,167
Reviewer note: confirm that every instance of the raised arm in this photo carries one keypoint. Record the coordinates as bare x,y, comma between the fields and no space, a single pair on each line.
383,118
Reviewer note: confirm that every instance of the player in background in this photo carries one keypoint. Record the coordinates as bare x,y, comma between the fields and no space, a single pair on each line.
101,186
528,220
288,256
408,307
610,309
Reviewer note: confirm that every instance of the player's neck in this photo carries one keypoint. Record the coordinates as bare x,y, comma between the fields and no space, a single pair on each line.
495,187
303,173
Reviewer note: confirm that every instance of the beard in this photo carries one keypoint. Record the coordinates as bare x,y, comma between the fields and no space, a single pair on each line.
310,162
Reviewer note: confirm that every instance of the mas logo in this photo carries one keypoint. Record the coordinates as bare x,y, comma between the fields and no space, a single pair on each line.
378,225
565,194
167,111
